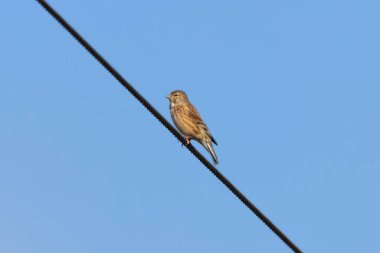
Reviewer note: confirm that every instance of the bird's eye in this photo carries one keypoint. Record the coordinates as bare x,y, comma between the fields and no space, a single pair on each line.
175,94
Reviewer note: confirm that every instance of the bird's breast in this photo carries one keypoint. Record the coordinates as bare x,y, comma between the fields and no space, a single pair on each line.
185,124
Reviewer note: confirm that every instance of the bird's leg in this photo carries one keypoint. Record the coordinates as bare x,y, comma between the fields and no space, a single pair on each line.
187,141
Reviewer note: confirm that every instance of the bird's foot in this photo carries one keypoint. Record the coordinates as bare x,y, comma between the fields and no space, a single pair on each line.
187,142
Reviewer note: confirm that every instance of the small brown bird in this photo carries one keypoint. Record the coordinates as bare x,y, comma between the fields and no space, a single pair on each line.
188,121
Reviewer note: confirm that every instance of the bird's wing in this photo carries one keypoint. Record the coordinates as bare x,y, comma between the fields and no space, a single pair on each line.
194,114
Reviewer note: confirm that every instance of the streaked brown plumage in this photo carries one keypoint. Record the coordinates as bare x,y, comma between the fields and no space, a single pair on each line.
188,121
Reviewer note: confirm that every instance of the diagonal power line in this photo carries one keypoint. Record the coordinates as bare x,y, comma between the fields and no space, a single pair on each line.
164,122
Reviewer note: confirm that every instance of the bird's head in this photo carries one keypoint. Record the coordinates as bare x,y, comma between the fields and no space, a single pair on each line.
177,97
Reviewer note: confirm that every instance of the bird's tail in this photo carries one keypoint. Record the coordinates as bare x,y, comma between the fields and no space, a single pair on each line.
210,149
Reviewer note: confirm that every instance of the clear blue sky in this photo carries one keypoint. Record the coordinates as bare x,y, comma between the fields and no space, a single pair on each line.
289,89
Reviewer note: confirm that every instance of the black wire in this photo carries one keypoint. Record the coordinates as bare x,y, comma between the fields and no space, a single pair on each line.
164,122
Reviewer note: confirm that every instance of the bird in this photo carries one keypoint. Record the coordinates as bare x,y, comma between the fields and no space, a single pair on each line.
188,121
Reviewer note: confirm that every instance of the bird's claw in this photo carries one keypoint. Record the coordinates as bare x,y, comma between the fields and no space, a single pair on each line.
187,142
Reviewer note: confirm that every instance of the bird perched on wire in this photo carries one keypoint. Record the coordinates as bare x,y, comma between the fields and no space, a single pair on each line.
188,121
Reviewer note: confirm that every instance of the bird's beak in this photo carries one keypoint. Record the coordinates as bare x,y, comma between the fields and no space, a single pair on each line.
168,97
